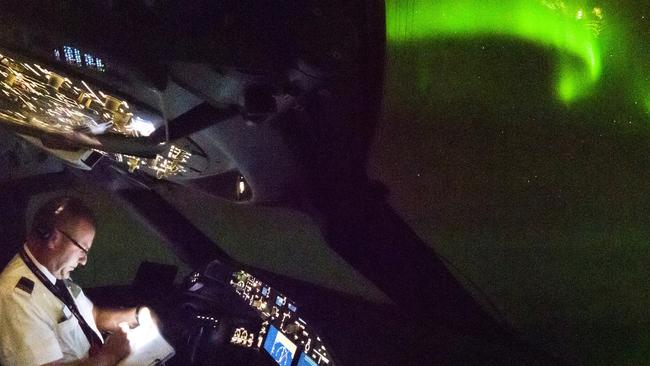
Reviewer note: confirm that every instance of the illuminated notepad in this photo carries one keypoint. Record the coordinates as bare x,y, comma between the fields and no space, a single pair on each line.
147,344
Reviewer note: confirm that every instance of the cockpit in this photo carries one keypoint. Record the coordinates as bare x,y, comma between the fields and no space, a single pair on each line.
341,182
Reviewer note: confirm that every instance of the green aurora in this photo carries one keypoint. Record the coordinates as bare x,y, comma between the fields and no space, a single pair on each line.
574,31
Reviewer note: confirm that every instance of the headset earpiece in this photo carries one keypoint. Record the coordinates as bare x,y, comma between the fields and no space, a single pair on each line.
43,233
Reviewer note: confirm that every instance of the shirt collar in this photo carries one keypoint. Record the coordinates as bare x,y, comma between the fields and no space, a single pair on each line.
41,267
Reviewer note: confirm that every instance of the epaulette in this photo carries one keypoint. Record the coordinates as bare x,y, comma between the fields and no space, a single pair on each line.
26,285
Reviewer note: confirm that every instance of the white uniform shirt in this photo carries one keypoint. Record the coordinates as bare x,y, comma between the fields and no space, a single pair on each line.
36,327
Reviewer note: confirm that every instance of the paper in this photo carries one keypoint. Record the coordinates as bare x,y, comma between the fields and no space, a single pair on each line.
148,347
152,352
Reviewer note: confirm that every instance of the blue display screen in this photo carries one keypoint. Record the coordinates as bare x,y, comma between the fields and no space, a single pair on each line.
279,301
281,349
305,360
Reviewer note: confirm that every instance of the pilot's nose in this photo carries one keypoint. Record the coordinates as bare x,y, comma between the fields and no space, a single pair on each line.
83,259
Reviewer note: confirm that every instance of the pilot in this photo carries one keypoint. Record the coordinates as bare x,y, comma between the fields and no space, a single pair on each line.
45,319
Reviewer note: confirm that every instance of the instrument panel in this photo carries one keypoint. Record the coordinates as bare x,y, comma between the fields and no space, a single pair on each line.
269,323
284,335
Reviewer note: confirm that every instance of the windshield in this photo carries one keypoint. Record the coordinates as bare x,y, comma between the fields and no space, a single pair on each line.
514,140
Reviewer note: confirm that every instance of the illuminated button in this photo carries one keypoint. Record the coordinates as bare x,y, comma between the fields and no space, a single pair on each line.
85,99
111,103
11,78
55,81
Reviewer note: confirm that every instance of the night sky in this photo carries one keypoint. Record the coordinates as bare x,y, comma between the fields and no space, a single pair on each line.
538,201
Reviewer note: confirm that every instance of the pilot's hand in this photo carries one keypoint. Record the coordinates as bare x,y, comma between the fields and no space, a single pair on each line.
147,317
117,345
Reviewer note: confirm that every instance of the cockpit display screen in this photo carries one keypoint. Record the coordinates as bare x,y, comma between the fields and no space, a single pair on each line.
305,360
281,349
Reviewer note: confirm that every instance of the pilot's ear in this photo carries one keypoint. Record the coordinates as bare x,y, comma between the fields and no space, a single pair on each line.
51,241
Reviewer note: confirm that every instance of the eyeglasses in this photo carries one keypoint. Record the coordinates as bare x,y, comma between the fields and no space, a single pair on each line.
73,241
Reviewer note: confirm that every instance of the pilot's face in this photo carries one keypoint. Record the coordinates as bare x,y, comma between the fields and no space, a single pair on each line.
67,249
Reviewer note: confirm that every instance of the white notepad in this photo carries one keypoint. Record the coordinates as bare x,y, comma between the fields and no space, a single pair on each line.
148,347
